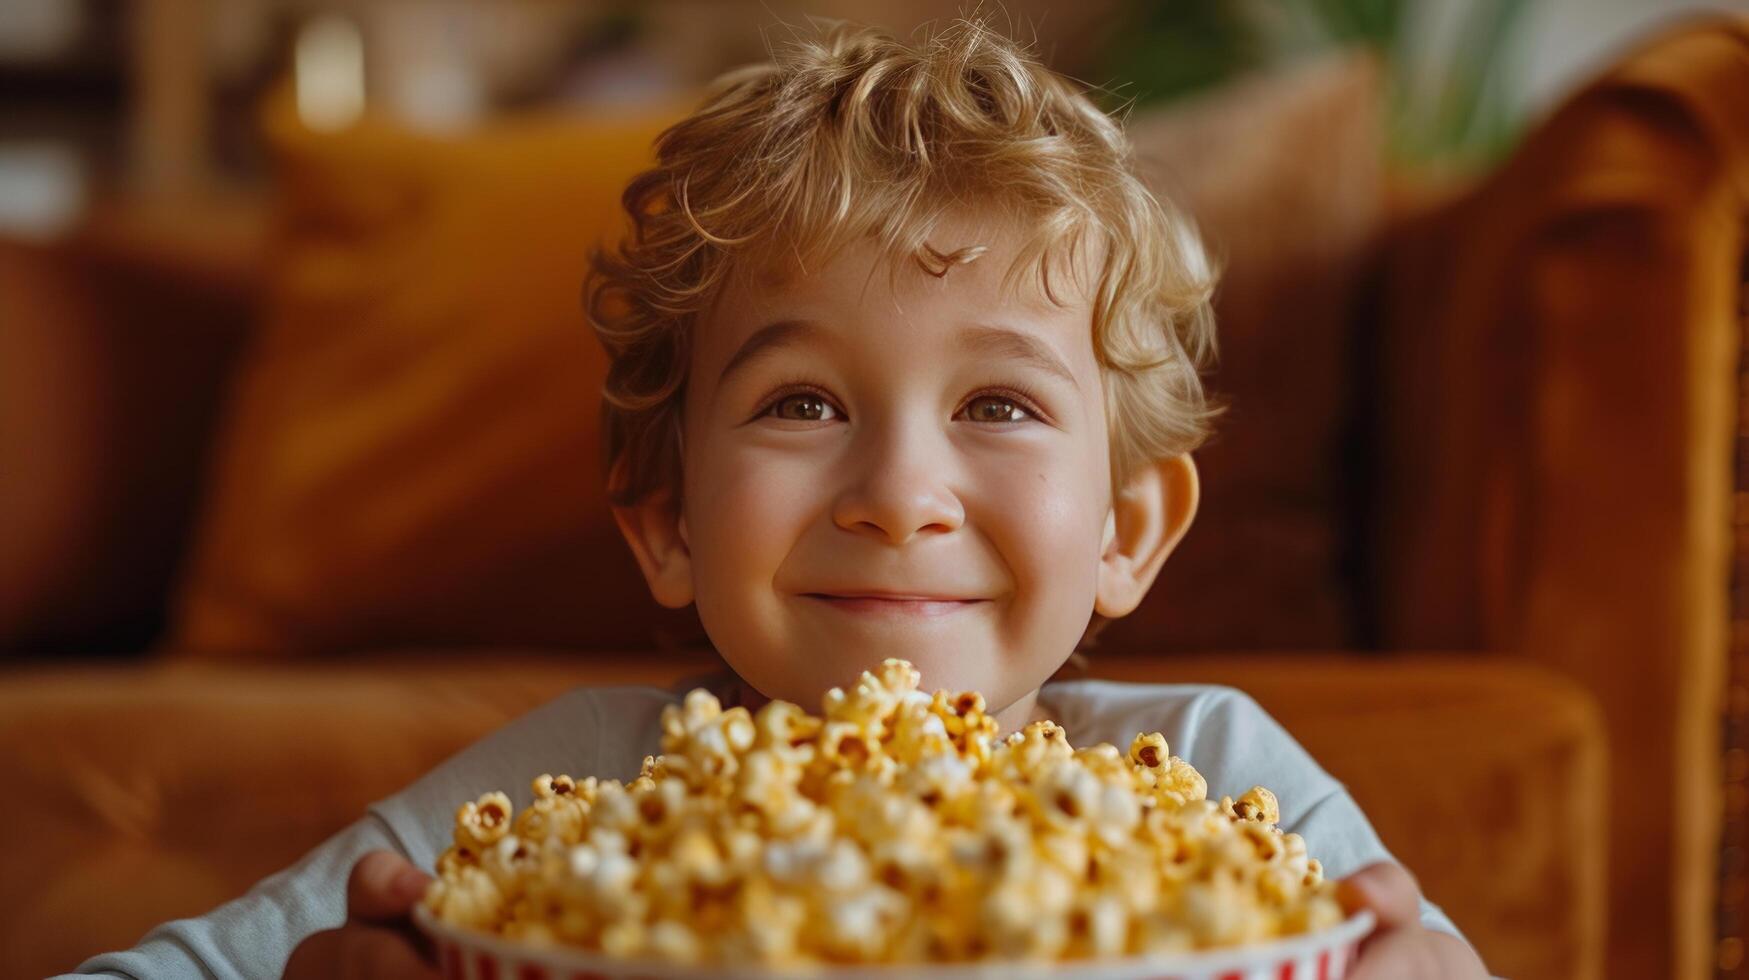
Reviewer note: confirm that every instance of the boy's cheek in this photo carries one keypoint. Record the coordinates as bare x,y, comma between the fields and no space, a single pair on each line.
745,509
749,524
1047,535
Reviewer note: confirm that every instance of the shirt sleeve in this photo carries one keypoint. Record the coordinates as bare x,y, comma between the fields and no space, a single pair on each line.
254,935
1236,744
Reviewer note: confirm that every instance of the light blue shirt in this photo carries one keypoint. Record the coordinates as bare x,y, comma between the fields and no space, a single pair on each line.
607,731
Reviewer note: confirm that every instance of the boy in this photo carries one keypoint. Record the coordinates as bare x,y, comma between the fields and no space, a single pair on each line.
905,363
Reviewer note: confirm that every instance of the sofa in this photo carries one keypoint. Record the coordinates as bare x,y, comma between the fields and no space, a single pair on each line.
306,497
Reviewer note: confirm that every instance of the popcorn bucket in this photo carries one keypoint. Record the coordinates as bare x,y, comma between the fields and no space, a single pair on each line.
465,954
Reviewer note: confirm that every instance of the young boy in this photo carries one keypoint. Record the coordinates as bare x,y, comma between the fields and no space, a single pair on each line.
905,363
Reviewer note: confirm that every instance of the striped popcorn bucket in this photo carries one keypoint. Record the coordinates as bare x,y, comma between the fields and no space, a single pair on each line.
465,954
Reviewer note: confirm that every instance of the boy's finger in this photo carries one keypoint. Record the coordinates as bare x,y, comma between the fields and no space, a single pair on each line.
358,951
1393,955
383,887
1385,888
374,952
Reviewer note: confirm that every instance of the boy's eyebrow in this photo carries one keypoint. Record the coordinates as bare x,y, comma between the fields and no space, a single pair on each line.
975,338
771,337
1006,342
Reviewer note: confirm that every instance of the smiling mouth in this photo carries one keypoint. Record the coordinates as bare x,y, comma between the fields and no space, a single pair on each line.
892,605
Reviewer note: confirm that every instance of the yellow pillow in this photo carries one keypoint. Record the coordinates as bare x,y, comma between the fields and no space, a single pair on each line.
410,454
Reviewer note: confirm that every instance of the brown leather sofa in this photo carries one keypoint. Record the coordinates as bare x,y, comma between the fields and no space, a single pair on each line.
325,499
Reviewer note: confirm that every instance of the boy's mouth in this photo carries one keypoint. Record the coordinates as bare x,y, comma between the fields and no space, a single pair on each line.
882,604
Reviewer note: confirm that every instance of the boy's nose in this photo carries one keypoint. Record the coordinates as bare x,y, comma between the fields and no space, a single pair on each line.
899,495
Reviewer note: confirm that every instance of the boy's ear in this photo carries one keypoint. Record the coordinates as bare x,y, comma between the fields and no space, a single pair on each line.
656,531
1147,520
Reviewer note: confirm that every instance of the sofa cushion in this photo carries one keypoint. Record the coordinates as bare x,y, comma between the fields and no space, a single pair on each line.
410,454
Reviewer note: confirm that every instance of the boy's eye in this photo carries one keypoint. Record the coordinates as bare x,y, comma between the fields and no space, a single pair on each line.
995,408
807,406
802,406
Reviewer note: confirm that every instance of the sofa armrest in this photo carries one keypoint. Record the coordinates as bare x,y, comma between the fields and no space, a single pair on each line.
1561,405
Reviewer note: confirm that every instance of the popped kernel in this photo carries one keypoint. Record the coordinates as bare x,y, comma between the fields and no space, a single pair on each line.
547,786
894,827
1260,805
467,897
480,824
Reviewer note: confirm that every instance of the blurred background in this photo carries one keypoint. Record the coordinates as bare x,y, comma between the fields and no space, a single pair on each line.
298,420
161,96
142,120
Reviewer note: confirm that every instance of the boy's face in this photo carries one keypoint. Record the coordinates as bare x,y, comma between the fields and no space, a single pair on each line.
875,467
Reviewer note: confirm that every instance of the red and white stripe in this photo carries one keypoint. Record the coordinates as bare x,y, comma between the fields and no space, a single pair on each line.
465,964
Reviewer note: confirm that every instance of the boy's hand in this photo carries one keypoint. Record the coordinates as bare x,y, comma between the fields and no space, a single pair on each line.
378,939
1400,948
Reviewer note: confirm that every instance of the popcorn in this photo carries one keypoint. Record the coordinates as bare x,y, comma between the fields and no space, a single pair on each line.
1149,750
1259,804
480,824
896,827
511,863
559,811
783,729
548,786
466,897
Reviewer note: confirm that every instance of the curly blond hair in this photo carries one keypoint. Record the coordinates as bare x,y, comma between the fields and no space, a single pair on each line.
849,133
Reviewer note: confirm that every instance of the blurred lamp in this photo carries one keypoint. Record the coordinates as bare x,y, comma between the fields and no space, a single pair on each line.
42,189
329,73
37,30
